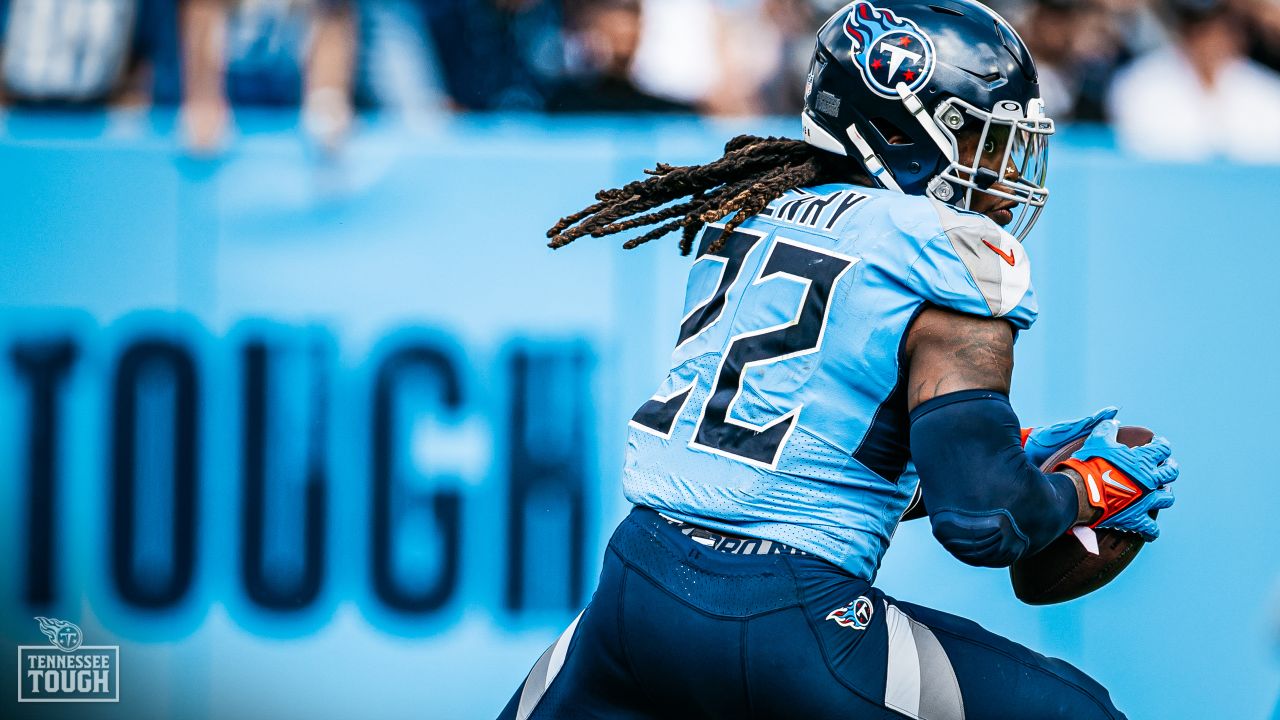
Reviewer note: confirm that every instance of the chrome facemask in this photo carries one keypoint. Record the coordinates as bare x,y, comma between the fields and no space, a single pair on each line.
1009,138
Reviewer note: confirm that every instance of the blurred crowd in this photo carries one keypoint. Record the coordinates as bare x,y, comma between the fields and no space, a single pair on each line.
1178,79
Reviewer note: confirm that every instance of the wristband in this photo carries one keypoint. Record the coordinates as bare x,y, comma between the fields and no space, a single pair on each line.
1108,489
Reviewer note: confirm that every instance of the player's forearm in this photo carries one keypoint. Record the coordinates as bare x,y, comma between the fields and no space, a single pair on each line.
987,503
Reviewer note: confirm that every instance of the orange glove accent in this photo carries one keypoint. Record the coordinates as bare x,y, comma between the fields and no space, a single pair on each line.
1110,490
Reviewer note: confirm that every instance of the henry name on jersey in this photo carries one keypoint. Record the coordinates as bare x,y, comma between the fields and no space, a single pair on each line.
811,210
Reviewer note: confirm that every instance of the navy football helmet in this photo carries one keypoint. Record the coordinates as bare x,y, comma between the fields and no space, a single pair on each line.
907,86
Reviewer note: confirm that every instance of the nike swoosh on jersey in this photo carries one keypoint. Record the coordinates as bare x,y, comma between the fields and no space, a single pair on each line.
1007,257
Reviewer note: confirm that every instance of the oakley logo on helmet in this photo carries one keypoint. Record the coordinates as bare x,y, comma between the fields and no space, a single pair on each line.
888,49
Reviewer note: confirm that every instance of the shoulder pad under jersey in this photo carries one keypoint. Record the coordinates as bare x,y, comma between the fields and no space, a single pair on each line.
974,266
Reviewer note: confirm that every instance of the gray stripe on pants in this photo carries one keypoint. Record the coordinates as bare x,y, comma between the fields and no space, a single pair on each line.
940,697
544,671
534,686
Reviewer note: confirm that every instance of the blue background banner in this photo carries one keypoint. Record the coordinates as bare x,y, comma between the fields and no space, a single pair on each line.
339,437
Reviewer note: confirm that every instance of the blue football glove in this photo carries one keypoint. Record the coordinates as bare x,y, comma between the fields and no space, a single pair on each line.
1042,442
1125,483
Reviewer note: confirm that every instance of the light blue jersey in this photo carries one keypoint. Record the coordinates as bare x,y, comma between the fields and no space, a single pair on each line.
784,414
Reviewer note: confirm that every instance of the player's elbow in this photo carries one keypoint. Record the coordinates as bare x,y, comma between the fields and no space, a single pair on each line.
987,539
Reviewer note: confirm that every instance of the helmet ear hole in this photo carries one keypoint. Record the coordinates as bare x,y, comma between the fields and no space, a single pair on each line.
891,133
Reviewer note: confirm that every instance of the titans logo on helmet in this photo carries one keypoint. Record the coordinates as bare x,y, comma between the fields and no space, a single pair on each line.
889,50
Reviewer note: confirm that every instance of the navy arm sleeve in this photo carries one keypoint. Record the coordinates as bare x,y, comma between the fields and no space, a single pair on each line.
987,503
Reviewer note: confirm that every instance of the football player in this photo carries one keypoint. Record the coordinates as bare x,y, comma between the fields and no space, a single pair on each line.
848,338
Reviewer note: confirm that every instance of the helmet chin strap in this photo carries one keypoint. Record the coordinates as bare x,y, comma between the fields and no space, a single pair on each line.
872,161
937,187
916,108
816,136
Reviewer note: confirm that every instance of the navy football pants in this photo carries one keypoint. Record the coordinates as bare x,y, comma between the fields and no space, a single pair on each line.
679,630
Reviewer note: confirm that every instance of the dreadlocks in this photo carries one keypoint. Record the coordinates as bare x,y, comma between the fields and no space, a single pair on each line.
752,173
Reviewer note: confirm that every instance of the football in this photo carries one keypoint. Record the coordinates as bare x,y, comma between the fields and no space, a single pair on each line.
1082,560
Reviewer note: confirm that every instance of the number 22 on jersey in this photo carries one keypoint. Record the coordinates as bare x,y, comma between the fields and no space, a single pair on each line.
818,271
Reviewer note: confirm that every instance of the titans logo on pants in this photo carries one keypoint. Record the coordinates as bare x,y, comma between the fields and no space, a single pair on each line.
888,50
856,615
